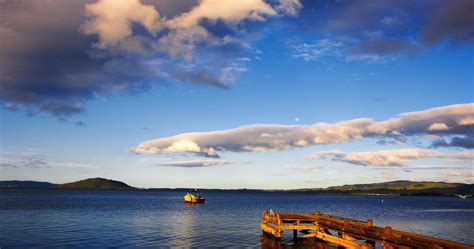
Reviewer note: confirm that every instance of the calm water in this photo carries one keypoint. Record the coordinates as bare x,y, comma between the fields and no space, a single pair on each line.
62,218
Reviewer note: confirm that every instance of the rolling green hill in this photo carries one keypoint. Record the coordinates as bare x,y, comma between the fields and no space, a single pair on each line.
97,184
399,188
396,185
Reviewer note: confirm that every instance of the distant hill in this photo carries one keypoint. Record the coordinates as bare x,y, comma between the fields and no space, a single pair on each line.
398,188
26,184
395,185
91,183
384,188
96,184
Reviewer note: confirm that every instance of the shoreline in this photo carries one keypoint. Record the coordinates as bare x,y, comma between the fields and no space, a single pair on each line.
319,193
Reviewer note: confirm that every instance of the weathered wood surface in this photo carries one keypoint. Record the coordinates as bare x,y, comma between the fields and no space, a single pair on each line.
350,233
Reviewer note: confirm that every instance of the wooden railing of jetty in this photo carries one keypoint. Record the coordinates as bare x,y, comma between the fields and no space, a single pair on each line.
348,233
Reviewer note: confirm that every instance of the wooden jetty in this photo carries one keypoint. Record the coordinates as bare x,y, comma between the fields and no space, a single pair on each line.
348,233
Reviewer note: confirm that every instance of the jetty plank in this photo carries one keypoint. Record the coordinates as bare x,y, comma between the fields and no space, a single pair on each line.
350,233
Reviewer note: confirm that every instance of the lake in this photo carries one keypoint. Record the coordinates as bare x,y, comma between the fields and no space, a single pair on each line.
75,218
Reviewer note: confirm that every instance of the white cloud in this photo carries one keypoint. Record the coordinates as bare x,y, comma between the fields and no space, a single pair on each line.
317,50
182,34
466,121
112,20
289,7
400,157
456,177
186,31
258,138
438,127
226,10
36,160
271,137
389,21
459,174
195,163
182,146
307,168
230,73
26,161
443,167
320,155
453,116
180,43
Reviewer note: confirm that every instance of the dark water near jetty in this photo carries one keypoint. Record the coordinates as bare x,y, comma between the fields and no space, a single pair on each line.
69,218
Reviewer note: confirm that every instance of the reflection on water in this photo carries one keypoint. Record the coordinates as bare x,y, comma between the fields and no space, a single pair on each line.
185,226
267,241
61,218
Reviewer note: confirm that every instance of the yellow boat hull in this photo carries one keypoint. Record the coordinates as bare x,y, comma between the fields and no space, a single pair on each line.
193,199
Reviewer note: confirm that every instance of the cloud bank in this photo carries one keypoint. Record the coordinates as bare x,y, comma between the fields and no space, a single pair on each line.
400,157
56,55
271,137
375,31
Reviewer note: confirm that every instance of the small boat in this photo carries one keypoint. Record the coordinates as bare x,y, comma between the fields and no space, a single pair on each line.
194,197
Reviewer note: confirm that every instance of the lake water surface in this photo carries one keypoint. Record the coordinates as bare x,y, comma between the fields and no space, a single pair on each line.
69,218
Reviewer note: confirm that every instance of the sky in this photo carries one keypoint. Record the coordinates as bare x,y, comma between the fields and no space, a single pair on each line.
231,94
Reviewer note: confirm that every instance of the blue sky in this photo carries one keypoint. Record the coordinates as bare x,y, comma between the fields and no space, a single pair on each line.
85,107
